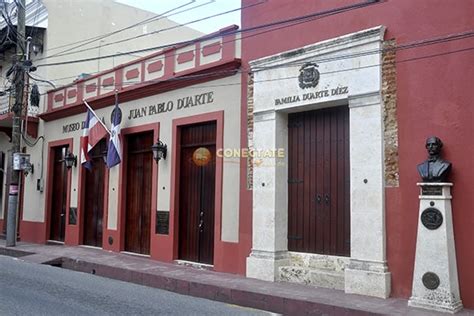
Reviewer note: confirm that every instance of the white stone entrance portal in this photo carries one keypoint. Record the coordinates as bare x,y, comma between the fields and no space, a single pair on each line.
350,74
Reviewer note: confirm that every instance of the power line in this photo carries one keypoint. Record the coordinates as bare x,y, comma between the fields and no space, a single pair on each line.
34,29
404,46
300,19
409,45
430,41
146,21
158,31
246,71
11,29
413,44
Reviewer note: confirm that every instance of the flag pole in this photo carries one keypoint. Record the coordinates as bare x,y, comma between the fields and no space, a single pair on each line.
100,121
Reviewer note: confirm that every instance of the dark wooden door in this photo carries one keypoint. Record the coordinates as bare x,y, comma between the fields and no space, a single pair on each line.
58,194
94,197
318,182
197,193
138,192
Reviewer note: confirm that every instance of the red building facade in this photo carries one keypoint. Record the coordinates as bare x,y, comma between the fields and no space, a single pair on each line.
425,82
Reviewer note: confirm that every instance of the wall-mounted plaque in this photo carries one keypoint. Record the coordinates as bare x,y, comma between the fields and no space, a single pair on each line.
309,76
431,190
162,222
432,218
2,160
430,280
72,215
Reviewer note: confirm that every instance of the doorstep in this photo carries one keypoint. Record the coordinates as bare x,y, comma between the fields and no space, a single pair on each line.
278,297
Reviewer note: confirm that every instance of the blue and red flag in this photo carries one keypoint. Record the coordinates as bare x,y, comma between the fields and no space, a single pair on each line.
114,152
94,131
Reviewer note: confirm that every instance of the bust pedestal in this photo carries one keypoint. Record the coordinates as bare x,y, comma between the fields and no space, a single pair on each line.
435,278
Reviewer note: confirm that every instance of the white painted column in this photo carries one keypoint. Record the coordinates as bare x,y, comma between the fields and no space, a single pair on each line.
367,272
270,198
435,278
113,195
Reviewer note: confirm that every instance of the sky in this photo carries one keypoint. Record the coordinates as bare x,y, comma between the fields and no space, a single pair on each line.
206,8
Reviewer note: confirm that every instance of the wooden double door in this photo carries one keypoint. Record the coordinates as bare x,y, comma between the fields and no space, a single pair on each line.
318,182
138,192
94,197
58,194
197,192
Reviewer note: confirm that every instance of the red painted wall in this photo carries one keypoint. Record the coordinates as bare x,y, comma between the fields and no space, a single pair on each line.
434,98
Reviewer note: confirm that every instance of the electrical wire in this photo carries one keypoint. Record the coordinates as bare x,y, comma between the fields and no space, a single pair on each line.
160,31
42,80
137,24
300,19
33,28
33,144
100,37
409,45
412,44
244,71
166,46
146,21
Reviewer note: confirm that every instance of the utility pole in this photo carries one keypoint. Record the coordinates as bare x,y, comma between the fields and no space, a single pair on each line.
16,130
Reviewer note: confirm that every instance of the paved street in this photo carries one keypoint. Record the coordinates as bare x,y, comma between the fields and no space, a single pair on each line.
33,289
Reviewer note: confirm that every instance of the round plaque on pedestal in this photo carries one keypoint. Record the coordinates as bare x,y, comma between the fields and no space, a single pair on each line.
432,218
430,280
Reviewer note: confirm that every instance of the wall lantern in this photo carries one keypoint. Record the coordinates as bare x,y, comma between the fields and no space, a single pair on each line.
70,160
159,150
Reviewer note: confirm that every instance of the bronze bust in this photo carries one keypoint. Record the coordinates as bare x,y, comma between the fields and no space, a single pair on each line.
434,169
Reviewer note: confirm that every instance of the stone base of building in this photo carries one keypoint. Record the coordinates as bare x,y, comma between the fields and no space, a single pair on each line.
445,304
315,270
361,277
264,265
368,278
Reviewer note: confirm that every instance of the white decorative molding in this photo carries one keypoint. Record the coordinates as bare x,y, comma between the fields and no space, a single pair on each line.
277,93
339,44
366,99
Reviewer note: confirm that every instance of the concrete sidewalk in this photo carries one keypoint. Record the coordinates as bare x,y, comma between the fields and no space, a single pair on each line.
278,297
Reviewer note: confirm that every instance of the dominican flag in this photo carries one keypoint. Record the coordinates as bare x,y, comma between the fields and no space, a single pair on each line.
114,152
93,133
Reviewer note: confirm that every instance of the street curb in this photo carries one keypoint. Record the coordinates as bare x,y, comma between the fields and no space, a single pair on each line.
11,252
268,302
279,297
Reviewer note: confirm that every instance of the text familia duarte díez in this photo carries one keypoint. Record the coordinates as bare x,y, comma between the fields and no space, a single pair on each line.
312,95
